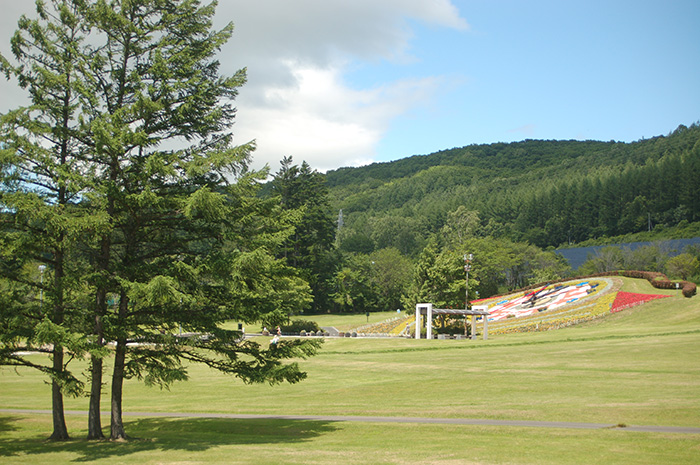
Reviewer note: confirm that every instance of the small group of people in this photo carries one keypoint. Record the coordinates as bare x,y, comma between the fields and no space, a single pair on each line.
278,331
276,337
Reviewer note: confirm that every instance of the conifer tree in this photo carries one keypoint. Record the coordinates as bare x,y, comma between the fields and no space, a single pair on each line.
181,238
310,248
42,179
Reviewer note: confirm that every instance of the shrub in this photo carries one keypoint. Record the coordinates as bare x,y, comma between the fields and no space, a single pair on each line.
689,289
297,326
660,281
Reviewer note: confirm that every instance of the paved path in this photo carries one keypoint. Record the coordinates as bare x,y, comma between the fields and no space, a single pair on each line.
373,419
331,330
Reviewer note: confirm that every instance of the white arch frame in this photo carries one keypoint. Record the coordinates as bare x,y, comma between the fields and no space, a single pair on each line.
428,320
429,311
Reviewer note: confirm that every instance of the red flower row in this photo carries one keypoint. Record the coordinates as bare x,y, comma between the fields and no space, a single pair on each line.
625,300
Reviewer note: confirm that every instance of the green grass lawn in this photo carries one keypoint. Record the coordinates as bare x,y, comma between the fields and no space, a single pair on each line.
342,322
636,367
213,441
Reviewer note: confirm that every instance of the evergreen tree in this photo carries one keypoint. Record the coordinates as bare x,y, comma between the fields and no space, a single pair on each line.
310,249
181,237
43,178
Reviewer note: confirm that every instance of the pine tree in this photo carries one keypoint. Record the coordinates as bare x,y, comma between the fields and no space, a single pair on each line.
310,248
181,238
43,178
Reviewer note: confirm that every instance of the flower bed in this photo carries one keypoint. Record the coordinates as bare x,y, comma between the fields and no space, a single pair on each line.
559,318
391,327
545,299
569,309
625,300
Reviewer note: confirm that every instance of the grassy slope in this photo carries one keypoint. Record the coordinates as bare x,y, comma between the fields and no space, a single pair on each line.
635,367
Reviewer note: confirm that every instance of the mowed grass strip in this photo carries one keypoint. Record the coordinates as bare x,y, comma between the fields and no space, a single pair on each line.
636,367
220,441
633,380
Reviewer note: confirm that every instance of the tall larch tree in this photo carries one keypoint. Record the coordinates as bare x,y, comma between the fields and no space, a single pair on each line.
181,240
42,179
190,243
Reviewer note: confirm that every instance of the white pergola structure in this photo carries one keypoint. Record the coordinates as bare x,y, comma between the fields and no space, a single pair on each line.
429,311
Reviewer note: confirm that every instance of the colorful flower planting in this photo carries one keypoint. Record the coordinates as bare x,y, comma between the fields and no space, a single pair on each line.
625,300
556,306
560,318
549,307
392,327
546,298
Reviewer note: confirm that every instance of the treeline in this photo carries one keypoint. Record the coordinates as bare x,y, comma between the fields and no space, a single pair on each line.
547,193
380,271
387,278
665,193
403,229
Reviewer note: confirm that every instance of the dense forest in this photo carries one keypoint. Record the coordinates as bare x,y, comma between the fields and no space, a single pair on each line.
403,231
546,193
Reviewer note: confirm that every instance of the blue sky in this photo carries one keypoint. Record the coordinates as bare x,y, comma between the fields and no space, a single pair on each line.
553,70
344,83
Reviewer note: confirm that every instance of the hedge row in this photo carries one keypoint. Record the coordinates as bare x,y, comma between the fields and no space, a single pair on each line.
660,281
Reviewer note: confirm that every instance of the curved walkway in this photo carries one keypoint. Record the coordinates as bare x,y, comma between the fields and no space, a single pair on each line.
380,419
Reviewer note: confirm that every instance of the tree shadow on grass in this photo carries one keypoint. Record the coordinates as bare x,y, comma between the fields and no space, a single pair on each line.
172,435
7,424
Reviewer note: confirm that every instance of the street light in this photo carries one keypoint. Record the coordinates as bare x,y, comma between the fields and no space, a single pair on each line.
467,267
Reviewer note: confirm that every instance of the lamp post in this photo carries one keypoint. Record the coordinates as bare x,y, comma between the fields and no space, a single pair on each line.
467,267
41,287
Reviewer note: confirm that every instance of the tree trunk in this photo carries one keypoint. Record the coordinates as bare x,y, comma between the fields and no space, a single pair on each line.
117,424
94,414
60,430
94,420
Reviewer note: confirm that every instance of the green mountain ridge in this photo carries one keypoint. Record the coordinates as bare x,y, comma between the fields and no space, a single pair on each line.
543,192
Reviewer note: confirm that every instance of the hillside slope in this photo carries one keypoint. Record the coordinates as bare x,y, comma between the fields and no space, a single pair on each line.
544,192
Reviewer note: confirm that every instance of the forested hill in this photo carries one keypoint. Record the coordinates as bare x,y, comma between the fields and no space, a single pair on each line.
543,192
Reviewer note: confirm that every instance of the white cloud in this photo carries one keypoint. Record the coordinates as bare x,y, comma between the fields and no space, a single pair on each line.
296,101
323,122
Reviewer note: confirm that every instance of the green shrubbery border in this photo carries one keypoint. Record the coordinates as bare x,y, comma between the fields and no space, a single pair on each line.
661,281
297,326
